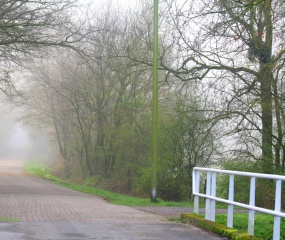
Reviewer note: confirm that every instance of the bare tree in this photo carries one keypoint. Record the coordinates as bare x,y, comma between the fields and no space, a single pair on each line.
239,44
27,26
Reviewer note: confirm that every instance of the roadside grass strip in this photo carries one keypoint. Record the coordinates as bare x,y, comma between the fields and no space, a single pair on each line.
9,220
35,167
263,226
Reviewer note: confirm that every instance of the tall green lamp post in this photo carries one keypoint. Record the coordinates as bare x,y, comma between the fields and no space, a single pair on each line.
155,103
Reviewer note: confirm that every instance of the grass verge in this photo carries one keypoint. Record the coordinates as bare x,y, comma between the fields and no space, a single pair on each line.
263,227
9,220
35,167
218,228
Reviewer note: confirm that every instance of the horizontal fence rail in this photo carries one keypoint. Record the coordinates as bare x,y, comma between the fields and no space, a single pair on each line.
210,196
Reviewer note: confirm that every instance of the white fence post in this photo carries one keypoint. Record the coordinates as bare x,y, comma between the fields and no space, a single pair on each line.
251,203
231,198
213,194
277,219
196,187
208,201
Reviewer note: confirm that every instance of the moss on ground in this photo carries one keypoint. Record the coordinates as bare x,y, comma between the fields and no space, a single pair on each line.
216,227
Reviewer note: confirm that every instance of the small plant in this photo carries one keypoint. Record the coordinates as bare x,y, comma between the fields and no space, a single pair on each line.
9,220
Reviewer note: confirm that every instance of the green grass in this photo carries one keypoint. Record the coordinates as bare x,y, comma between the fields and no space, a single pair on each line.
36,168
263,227
9,220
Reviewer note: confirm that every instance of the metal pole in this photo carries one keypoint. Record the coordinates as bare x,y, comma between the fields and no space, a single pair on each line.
277,219
208,193
196,189
230,222
155,103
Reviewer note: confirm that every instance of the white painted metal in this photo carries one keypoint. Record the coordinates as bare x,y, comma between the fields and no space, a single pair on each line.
230,221
242,205
277,219
211,197
208,193
196,187
213,194
249,174
251,203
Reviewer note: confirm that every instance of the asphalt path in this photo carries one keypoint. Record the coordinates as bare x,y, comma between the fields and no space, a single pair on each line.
51,212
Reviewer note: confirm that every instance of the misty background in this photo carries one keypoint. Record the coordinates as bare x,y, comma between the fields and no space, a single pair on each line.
19,142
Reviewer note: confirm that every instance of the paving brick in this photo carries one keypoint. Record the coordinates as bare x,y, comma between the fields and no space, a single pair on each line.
50,208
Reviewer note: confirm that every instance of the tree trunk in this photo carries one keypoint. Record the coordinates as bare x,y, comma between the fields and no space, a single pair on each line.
279,139
266,115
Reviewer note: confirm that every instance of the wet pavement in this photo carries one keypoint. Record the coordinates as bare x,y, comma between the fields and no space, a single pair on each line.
99,230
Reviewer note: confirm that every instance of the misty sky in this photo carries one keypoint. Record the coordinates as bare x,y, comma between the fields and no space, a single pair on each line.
121,3
13,135
17,141
18,137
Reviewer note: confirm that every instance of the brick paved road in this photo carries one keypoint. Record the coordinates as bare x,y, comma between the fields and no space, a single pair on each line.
52,212
54,208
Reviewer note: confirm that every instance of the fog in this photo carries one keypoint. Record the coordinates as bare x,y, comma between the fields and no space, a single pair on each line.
19,143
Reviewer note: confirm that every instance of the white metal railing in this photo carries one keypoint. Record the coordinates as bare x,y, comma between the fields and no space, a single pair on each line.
210,196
